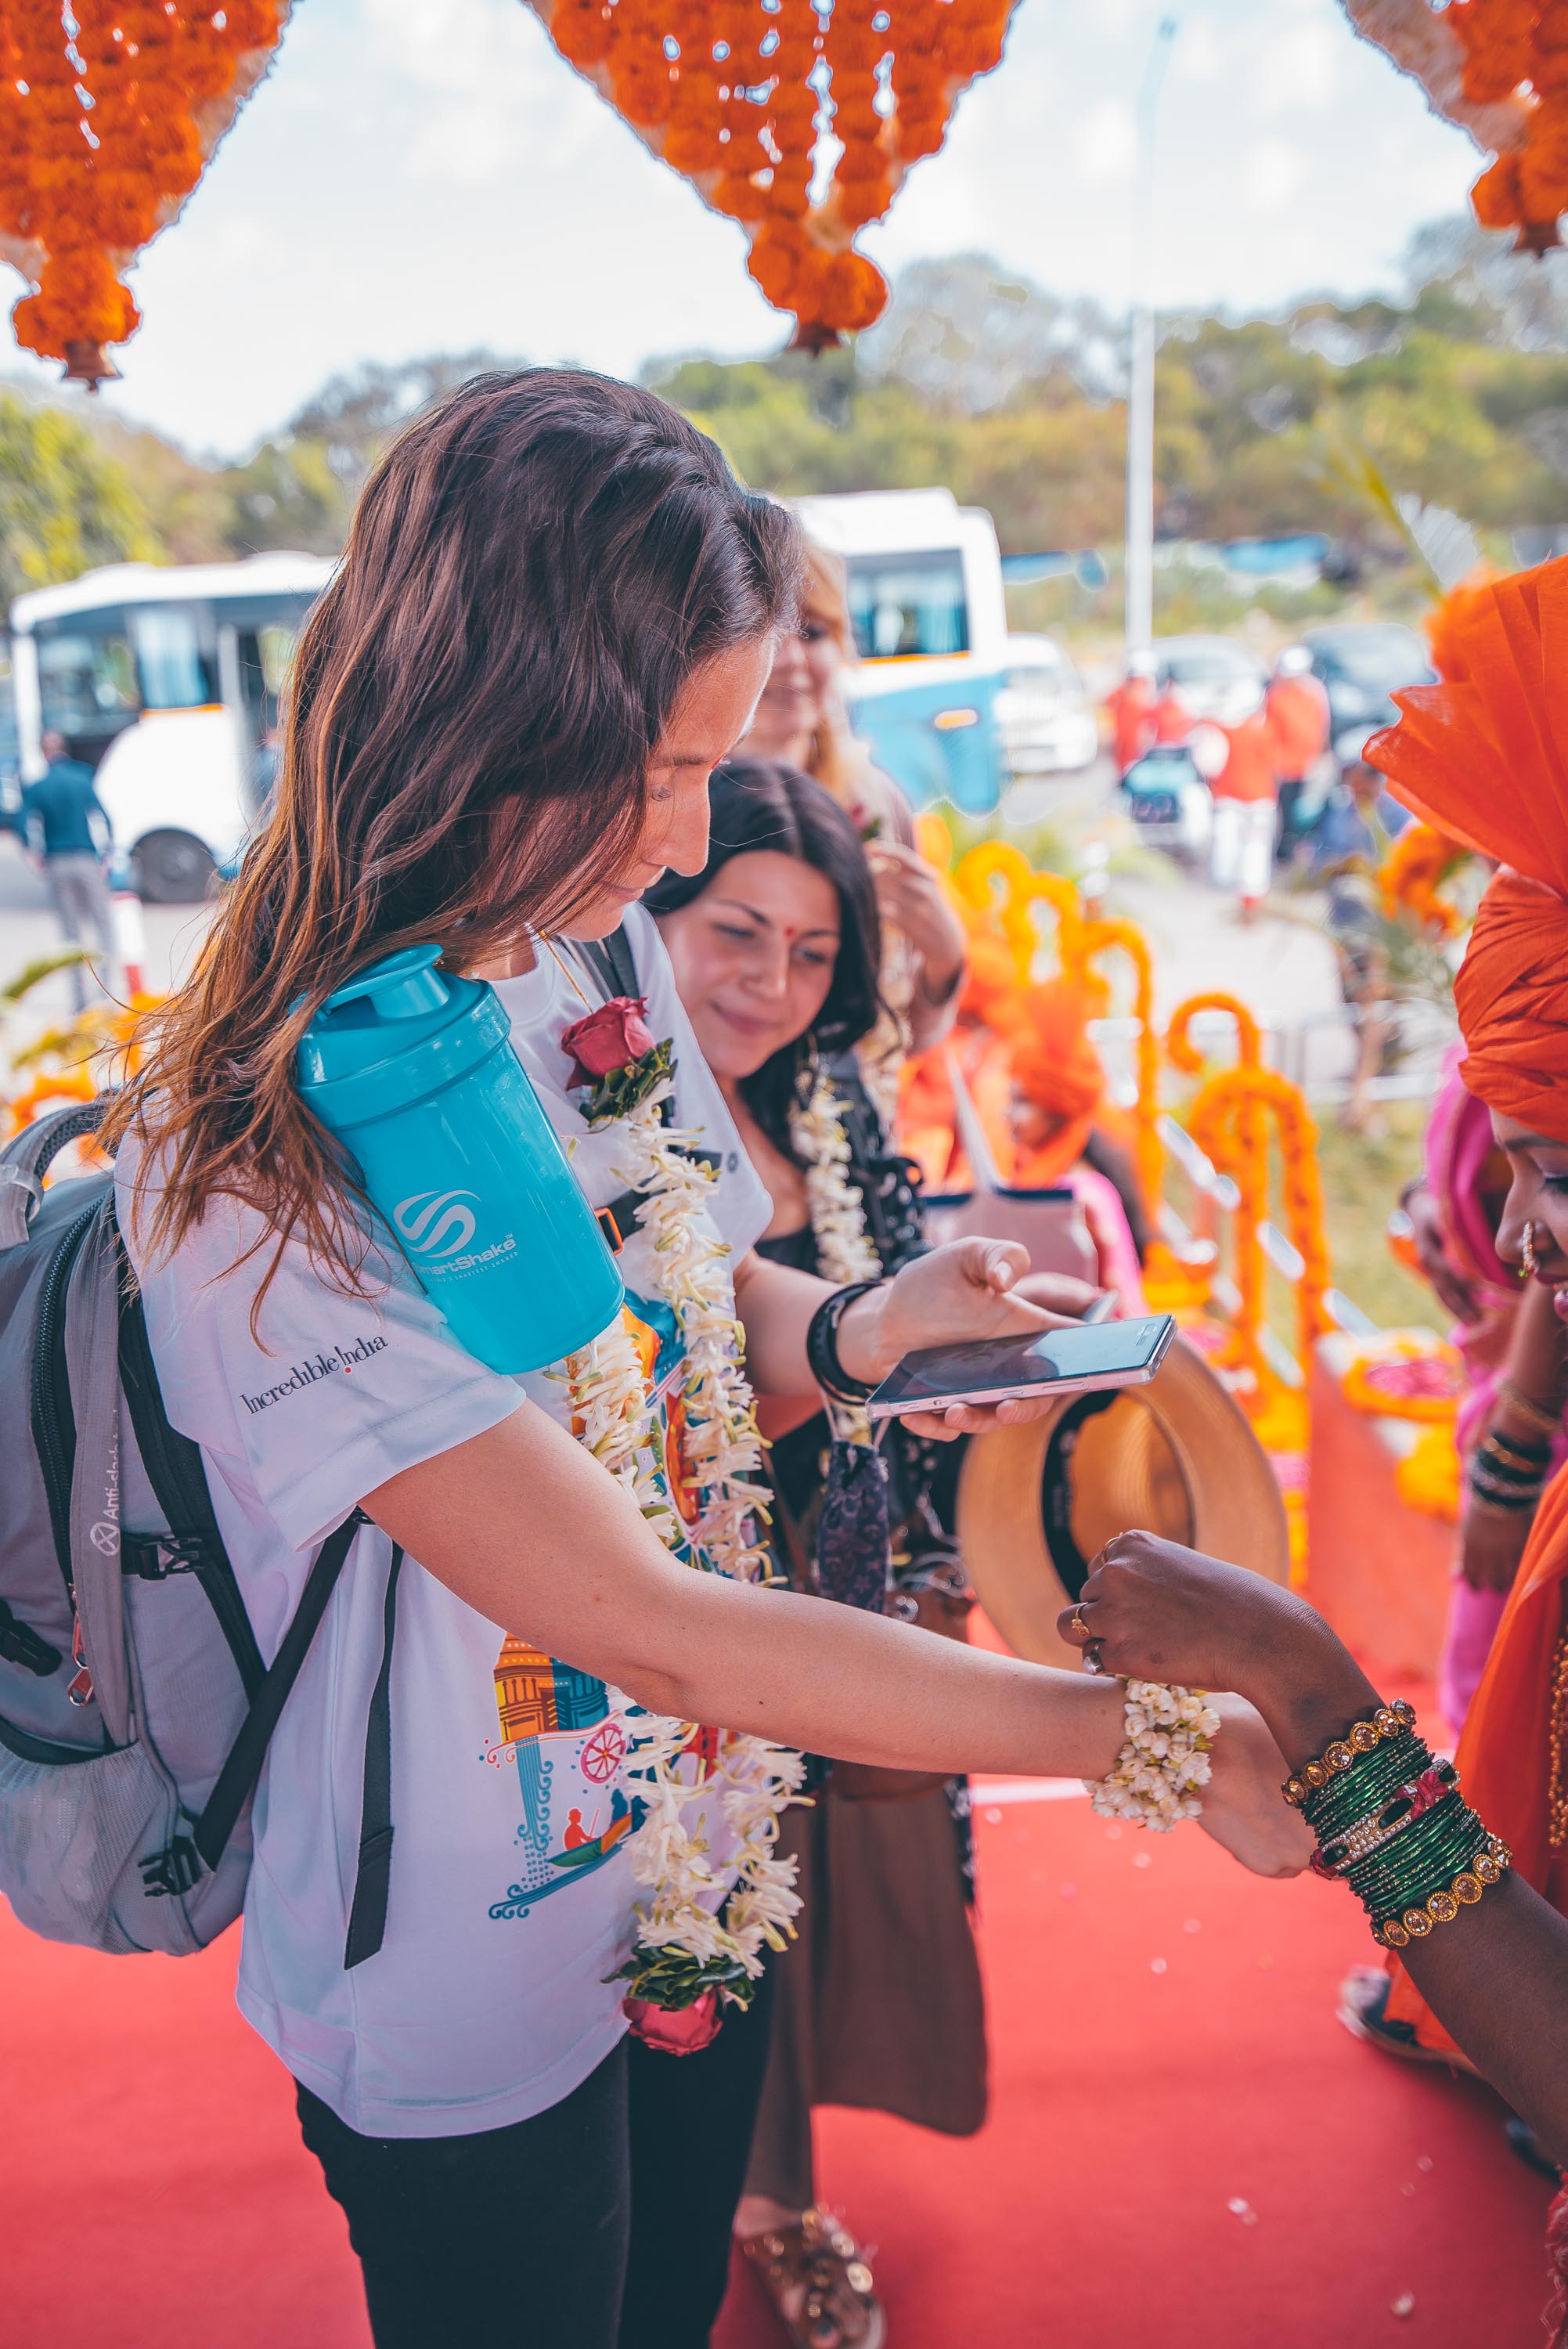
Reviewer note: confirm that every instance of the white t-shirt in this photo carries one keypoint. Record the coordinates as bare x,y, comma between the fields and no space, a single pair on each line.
510,1897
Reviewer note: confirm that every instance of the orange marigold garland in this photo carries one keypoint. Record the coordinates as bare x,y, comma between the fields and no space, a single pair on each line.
1227,1123
1411,874
735,95
109,111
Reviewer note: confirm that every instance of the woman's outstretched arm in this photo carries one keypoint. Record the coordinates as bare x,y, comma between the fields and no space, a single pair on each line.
536,1536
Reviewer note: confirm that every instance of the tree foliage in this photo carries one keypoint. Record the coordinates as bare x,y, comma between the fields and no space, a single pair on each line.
67,505
1456,389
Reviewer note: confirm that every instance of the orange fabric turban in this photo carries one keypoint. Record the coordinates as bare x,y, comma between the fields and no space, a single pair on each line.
1484,757
1054,1064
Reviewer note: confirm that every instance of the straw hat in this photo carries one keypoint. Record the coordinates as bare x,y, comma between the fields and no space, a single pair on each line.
1176,1458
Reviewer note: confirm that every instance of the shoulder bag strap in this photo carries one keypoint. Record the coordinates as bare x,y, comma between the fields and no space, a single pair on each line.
611,962
237,1779
179,1481
368,1918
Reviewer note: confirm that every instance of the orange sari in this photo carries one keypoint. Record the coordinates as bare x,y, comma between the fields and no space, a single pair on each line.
1510,1753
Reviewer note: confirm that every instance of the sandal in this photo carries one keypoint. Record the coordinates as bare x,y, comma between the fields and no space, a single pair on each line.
1363,2009
820,2259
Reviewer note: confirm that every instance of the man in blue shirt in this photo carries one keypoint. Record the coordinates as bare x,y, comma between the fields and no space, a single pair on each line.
65,826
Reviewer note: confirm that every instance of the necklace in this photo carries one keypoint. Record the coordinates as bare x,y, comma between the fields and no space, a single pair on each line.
693,1938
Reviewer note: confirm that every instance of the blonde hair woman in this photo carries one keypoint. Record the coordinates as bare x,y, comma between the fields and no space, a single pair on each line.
801,720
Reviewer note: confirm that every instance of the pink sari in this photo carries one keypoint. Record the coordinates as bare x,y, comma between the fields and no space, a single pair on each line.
1459,1146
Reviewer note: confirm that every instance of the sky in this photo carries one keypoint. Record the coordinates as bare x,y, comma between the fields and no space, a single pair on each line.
424,175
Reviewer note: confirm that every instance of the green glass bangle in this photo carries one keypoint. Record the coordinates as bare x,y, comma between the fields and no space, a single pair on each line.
1424,1846
1384,1890
1439,1829
1370,1782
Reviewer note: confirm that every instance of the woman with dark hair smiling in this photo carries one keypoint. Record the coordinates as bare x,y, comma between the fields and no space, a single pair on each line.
776,947
554,617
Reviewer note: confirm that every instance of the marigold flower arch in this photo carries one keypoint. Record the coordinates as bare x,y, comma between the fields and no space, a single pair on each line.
109,111
739,97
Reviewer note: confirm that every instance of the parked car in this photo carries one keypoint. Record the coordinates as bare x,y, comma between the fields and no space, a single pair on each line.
1169,800
1360,664
1215,677
1043,718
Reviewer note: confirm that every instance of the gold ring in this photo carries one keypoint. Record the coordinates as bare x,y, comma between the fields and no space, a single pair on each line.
1078,1624
1528,1265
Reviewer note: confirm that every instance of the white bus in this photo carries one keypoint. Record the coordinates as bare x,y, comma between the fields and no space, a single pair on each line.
166,681
930,619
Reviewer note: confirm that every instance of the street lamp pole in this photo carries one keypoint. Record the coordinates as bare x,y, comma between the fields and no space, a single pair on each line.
1138,608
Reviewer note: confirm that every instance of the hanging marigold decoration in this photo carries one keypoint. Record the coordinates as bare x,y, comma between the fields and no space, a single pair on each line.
109,111
798,122
1499,69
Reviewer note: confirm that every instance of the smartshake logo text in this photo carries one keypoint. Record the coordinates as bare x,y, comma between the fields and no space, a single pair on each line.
318,1366
438,1232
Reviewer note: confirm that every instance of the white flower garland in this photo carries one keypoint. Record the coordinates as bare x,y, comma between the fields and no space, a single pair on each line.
1164,1760
754,1780
844,1253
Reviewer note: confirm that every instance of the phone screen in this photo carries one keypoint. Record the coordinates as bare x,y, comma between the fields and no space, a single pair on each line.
1110,1354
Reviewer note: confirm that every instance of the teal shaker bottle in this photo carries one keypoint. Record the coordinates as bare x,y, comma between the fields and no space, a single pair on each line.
413,1071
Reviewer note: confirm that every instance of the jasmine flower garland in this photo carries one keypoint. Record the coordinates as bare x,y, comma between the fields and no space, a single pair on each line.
844,1253
692,1936
1165,1759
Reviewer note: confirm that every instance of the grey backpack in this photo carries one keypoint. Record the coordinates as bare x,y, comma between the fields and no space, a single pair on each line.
135,1707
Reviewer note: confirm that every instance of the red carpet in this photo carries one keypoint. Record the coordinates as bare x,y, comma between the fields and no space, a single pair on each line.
156,2196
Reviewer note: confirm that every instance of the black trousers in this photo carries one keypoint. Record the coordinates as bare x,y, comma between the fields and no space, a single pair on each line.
603,2223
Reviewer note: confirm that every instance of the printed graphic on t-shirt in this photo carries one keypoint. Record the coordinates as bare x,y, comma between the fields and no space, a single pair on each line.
556,1722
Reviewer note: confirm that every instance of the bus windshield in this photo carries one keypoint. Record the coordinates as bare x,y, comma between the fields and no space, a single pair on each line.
903,605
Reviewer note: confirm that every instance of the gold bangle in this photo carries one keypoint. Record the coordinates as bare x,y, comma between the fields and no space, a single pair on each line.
1489,1866
1545,1422
1505,1454
1388,1721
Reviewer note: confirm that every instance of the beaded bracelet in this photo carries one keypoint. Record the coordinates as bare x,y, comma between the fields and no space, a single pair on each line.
1390,1721
822,1345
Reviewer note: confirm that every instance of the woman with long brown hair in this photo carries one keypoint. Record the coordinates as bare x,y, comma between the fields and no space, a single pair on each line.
555,614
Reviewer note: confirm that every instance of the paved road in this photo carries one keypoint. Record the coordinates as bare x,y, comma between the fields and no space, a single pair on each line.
1283,966
28,928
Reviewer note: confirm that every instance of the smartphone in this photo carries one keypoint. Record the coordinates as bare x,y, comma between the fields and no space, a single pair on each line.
1074,1361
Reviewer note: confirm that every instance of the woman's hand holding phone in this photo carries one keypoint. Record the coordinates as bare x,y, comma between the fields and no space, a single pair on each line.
968,1289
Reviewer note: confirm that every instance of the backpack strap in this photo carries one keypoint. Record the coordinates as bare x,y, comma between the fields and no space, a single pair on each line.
611,962
368,1918
24,1162
237,1779
179,1481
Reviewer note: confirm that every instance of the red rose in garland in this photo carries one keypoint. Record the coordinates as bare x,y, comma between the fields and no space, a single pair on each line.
613,1049
610,1037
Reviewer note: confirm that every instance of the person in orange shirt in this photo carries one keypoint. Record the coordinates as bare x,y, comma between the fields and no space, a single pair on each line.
1169,720
1296,708
1131,708
1241,855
